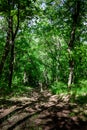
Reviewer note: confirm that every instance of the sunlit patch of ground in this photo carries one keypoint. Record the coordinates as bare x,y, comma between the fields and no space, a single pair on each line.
43,111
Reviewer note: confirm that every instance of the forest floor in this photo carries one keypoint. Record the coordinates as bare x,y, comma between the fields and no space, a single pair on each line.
37,110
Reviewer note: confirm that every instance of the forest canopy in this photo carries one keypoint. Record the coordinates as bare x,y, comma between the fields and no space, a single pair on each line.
43,43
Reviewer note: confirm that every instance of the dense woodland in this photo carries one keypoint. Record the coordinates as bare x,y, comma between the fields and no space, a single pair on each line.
43,46
43,43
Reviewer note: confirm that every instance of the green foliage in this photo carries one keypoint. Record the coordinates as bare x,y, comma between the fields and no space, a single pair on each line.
58,87
79,89
83,84
81,99
41,46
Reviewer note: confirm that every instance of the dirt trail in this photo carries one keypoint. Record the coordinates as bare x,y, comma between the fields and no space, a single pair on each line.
42,111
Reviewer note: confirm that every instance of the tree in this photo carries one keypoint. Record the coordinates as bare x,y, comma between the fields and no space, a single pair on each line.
69,18
15,12
76,11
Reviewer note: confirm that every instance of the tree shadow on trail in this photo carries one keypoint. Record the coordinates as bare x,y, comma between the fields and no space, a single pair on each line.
6,102
44,111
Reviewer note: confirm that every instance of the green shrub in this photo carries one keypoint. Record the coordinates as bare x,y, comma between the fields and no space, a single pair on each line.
58,87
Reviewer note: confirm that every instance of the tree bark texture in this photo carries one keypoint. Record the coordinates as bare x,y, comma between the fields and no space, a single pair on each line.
13,36
9,47
71,44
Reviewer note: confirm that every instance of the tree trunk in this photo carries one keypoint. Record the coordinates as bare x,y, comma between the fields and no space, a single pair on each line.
13,36
11,65
9,47
75,21
71,73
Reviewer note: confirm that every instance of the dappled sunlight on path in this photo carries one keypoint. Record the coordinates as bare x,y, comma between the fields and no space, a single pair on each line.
42,111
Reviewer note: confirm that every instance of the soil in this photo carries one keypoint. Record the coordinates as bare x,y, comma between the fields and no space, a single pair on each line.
42,111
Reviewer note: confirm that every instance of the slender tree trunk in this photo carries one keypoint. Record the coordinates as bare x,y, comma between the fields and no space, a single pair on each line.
13,36
71,60
9,47
75,21
11,65
71,73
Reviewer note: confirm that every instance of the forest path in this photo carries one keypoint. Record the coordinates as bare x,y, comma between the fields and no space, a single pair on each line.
42,111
